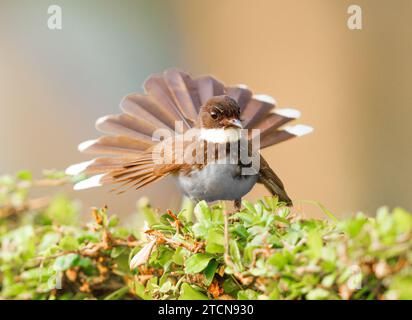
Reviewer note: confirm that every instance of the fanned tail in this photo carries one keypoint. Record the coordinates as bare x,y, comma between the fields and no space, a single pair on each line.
169,97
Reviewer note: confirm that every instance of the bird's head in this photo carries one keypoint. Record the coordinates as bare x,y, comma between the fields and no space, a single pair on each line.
220,112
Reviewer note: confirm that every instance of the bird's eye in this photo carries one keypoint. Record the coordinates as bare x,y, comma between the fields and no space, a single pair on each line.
214,115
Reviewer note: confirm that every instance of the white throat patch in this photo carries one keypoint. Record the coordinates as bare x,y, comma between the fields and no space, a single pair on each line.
220,135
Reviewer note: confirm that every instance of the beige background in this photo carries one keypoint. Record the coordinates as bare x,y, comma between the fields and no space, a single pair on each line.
352,86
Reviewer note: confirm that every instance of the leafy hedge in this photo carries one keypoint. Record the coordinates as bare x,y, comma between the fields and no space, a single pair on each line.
273,253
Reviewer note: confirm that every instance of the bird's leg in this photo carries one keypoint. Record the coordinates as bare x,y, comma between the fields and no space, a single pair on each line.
238,204
226,214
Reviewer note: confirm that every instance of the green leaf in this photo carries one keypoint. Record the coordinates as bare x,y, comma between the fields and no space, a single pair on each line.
151,286
315,244
187,292
247,294
63,211
230,286
113,221
403,220
210,271
402,287
241,231
117,251
247,217
215,241
144,207
164,257
275,293
249,206
318,294
83,262
328,280
38,274
187,209
65,262
141,291
353,226
48,240
25,175
235,255
197,262
180,255
118,294
278,260
69,243
202,211
166,287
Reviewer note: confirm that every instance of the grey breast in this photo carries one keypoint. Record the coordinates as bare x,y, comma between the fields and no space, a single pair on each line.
217,181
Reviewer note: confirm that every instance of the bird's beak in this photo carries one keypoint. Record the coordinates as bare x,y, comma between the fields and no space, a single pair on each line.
234,123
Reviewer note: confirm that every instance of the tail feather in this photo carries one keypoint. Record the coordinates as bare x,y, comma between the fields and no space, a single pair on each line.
142,182
145,107
241,94
257,109
156,86
98,165
139,183
208,87
135,174
270,122
92,182
272,182
126,125
276,190
132,175
115,145
271,137
184,92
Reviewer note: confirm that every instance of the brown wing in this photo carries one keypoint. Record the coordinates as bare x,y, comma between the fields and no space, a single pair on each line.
167,157
271,181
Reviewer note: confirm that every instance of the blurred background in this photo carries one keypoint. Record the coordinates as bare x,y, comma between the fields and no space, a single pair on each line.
353,86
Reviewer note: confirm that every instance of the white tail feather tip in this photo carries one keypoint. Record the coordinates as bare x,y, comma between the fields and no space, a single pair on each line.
264,98
298,130
288,113
78,168
101,120
86,144
91,182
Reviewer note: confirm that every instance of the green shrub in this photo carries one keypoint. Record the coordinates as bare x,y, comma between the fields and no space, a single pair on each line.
273,253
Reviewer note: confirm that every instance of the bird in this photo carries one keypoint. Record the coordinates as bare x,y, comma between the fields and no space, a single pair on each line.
216,115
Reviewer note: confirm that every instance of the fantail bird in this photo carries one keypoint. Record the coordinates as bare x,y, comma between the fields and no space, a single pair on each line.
205,104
